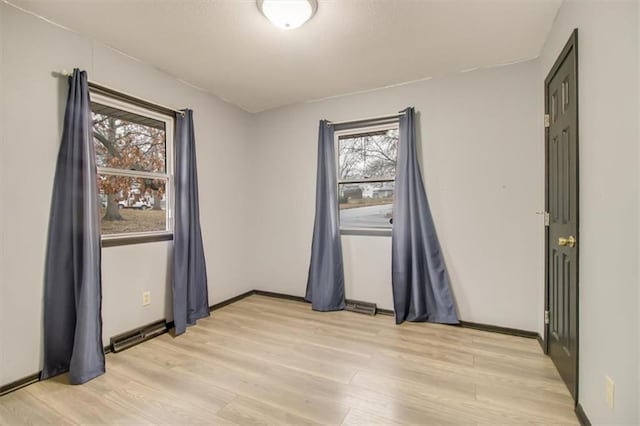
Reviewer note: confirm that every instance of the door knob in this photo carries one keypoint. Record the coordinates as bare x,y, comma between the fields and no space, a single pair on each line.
571,241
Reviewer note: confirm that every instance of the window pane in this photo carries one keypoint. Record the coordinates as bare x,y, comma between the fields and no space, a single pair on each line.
124,140
366,205
371,155
129,204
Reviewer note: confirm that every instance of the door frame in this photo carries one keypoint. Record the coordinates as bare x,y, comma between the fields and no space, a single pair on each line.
570,48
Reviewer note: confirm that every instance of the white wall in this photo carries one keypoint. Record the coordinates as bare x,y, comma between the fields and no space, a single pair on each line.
482,158
483,169
609,192
32,107
2,156
367,269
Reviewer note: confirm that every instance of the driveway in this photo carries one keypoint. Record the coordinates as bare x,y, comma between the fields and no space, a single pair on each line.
366,217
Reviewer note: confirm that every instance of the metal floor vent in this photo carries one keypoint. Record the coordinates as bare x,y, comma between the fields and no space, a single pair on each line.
361,307
139,335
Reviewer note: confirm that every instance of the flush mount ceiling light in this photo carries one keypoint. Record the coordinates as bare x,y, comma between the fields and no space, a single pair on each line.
288,14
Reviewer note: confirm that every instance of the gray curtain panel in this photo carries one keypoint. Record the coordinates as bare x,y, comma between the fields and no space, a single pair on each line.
72,283
325,284
190,294
421,288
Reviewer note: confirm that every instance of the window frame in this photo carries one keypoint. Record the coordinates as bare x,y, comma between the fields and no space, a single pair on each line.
111,240
355,131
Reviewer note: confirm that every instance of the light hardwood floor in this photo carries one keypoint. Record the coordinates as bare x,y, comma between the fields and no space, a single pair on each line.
273,361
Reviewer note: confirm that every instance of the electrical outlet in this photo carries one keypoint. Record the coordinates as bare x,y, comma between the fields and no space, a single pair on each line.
610,389
146,298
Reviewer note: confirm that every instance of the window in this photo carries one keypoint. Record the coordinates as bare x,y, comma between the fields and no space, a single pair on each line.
133,149
366,178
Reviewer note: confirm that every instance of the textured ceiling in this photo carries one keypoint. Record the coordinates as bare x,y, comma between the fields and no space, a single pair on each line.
228,48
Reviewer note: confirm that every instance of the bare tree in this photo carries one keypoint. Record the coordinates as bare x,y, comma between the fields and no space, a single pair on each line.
368,156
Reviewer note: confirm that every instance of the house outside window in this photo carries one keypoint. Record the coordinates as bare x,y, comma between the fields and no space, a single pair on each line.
134,158
366,170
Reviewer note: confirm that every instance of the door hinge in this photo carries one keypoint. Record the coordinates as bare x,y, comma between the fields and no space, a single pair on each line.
547,120
547,220
546,317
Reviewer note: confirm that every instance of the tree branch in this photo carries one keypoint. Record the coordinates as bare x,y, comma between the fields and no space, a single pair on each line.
107,144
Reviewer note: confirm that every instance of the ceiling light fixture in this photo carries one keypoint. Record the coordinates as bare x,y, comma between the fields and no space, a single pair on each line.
288,14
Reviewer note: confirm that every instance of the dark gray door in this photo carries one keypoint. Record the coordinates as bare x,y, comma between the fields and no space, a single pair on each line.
562,204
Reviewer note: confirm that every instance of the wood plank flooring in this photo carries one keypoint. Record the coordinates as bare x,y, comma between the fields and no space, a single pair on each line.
271,361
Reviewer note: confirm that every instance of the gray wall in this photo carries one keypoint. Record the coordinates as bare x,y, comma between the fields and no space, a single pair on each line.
609,192
484,173
32,107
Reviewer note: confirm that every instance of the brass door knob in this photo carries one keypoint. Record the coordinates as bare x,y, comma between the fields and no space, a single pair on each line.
571,241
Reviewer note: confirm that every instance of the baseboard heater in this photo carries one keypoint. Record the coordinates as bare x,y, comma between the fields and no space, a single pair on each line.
361,307
131,338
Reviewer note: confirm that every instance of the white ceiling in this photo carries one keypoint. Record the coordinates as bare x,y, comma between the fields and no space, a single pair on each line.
228,48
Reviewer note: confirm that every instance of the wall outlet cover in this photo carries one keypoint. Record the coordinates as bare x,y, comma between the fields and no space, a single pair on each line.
610,389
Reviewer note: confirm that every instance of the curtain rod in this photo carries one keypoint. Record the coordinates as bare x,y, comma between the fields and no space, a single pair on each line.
382,117
65,73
